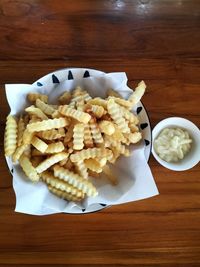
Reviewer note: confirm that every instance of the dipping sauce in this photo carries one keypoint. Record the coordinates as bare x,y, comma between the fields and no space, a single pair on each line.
172,144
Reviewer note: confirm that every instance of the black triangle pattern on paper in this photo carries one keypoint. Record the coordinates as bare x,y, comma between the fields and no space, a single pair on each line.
83,210
103,205
86,74
143,125
139,109
70,75
55,79
39,84
146,142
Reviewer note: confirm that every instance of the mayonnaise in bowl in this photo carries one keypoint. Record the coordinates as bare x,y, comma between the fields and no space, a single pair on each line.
172,144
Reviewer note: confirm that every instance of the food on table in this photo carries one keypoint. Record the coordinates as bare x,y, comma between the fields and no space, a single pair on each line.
69,144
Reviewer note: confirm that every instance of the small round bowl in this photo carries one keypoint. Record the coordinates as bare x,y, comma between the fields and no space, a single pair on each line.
193,156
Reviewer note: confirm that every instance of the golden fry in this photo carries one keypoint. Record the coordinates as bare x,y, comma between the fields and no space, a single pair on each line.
137,94
10,136
107,127
98,101
64,195
39,144
47,125
51,134
75,180
37,112
93,165
134,137
20,131
18,152
88,141
95,131
117,117
32,97
90,153
114,93
51,161
55,148
81,169
28,168
78,136
45,108
65,98
75,114
54,182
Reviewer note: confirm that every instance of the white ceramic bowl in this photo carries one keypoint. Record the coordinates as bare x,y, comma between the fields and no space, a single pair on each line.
193,156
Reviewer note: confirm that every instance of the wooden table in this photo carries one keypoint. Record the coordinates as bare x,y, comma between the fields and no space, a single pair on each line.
158,41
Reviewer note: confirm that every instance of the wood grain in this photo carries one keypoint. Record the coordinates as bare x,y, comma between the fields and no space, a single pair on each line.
158,41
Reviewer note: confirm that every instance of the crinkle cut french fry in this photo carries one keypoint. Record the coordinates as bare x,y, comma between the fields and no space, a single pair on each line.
55,182
10,138
56,114
27,151
63,162
45,108
64,195
81,169
75,114
112,92
69,134
75,180
32,97
93,165
51,134
98,111
118,135
134,137
133,127
80,105
75,96
28,168
128,115
90,153
78,136
98,101
39,144
33,118
109,142
116,115
88,141
20,131
107,127
95,131
37,112
47,124
18,152
115,156
109,174
120,101
55,148
51,161
138,93
65,98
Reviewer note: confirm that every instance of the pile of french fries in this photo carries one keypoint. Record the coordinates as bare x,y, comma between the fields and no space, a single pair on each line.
65,144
